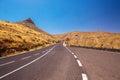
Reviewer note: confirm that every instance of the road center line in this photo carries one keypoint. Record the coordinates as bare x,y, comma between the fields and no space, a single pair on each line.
72,53
68,49
26,64
26,57
43,51
84,76
7,63
47,50
37,54
75,56
79,63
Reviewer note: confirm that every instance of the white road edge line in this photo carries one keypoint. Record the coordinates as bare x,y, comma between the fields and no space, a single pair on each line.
84,76
26,64
25,58
79,63
75,56
7,63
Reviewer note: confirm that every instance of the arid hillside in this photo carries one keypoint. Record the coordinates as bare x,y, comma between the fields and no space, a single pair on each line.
98,39
30,24
16,37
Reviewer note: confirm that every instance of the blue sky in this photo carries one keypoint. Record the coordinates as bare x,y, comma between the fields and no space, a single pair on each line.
61,16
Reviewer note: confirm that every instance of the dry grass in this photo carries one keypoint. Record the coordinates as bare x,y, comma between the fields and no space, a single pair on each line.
96,39
16,37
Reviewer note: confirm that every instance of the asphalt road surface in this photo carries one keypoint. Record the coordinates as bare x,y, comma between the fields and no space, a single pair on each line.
98,64
58,62
51,63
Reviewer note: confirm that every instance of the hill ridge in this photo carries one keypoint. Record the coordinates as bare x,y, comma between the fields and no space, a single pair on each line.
96,39
19,37
30,24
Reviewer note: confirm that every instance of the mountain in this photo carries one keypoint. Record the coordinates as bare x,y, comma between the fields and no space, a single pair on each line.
30,24
97,39
22,36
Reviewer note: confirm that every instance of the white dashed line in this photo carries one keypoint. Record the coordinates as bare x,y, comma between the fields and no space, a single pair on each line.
37,54
84,76
47,50
72,53
26,57
43,51
26,64
79,63
75,56
7,63
68,49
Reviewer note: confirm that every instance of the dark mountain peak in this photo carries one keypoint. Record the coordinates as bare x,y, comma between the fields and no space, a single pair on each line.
28,20
30,24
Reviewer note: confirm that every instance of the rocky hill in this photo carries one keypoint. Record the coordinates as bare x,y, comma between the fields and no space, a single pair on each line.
30,24
22,36
98,39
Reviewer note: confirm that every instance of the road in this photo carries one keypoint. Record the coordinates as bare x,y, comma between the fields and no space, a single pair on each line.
51,63
98,64
58,62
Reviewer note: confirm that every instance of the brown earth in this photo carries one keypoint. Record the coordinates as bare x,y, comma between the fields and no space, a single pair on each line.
98,39
18,37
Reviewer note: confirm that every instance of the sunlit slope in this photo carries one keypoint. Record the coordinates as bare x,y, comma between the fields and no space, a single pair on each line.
30,24
18,37
96,39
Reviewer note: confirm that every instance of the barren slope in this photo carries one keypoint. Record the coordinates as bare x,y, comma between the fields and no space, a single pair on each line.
96,39
17,37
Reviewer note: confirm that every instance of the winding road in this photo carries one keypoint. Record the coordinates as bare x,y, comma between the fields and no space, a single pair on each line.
58,62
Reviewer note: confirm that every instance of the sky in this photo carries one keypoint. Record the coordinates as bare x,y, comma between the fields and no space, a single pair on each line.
62,16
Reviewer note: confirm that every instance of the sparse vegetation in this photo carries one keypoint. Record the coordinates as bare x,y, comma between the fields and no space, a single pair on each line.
97,40
16,37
